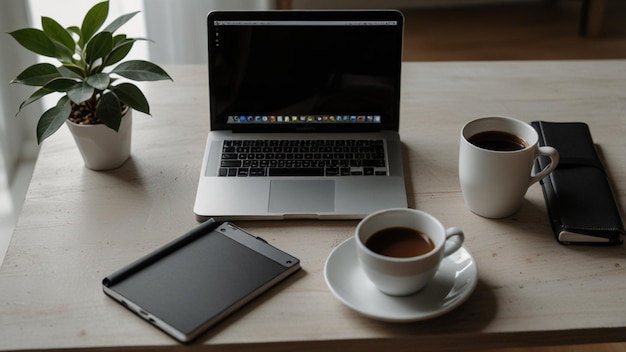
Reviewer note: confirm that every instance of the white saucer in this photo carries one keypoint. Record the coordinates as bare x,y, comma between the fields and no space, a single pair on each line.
452,285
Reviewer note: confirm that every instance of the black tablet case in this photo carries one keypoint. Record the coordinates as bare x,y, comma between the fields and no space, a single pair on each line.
580,202
190,284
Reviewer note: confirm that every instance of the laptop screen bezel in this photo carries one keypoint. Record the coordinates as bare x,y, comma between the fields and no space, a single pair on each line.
388,123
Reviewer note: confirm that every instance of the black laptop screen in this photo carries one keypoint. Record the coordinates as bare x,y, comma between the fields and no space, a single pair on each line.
305,70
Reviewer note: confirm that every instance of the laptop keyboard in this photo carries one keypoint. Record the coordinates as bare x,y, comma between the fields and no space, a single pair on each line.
247,158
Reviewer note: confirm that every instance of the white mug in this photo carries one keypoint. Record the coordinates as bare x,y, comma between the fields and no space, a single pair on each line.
494,182
400,276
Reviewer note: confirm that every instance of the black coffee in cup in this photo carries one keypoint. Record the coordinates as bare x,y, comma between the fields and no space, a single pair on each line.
498,141
400,242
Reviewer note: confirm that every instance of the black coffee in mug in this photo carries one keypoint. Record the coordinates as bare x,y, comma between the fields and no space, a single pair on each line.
400,242
498,141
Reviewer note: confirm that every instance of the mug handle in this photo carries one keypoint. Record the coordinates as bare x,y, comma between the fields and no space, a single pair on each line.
454,240
551,153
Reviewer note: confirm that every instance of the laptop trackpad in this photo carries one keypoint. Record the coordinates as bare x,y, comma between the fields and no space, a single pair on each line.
302,196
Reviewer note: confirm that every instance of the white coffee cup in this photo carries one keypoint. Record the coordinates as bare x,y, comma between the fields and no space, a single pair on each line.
400,276
494,182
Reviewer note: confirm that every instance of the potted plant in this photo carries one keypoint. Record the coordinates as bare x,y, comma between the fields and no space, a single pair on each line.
95,102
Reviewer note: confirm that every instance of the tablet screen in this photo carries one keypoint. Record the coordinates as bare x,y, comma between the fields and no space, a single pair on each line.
193,287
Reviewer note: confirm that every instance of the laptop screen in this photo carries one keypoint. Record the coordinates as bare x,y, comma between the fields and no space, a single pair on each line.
305,70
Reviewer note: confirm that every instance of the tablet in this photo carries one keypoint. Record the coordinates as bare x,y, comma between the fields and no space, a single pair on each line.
190,284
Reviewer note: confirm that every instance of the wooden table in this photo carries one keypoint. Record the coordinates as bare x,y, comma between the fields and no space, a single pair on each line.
78,225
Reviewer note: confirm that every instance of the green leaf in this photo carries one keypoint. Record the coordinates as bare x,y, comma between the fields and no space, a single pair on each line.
99,47
94,19
119,52
118,39
80,92
61,84
132,96
78,64
70,72
57,33
76,31
39,93
109,111
37,75
115,25
63,54
99,81
35,40
139,70
52,119
96,66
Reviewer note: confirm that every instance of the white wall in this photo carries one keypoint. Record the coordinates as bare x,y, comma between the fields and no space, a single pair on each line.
17,134
178,27
13,130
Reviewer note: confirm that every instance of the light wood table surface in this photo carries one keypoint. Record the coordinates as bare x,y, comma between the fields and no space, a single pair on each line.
78,226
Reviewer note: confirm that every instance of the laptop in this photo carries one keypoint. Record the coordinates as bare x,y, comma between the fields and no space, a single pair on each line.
304,115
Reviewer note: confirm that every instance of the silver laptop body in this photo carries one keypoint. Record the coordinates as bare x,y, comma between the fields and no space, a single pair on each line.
289,86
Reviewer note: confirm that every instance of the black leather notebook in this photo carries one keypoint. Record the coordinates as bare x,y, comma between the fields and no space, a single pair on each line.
578,195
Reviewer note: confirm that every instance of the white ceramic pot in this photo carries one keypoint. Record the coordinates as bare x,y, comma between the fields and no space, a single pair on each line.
101,147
